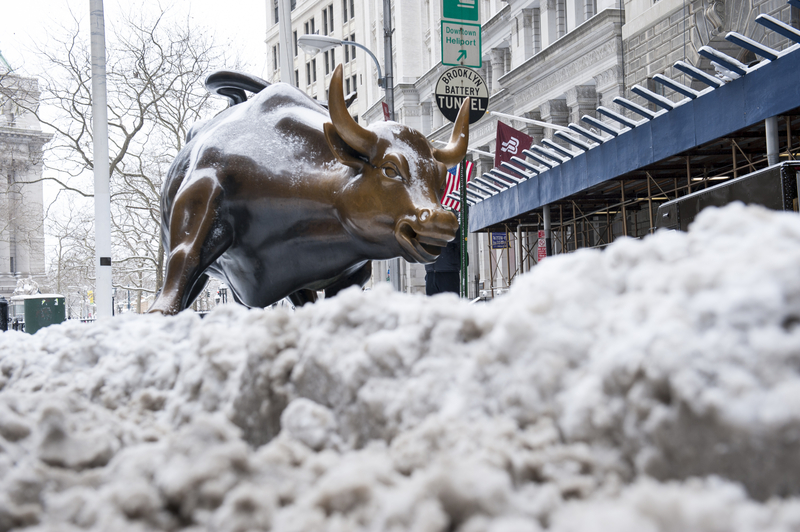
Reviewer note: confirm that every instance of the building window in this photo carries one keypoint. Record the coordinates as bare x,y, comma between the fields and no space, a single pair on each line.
345,16
352,48
275,5
275,52
314,69
347,86
346,51
354,84
308,73
294,35
296,78
330,61
310,27
352,10
327,20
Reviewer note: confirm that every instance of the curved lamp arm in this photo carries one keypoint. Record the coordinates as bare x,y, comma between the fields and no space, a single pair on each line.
377,64
313,44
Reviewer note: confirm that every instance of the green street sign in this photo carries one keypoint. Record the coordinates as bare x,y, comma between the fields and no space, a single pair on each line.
464,10
461,44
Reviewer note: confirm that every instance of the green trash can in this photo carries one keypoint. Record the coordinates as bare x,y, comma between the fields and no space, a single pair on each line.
42,310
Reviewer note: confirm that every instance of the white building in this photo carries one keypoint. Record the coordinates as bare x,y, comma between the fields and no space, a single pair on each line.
21,201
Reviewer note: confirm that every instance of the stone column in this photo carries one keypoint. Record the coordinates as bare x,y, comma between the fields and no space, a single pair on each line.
6,275
498,67
527,33
556,112
427,117
549,22
581,100
608,85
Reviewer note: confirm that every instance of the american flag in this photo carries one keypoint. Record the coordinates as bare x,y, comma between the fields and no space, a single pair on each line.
453,186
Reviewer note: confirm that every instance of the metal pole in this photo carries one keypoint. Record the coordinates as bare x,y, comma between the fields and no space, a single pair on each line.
548,238
464,223
102,191
388,87
285,39
773,153
574,226
650,203
508,258
688,177
388,80
624,212
518,256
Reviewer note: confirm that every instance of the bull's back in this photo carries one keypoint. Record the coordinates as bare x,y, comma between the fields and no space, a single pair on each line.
275,137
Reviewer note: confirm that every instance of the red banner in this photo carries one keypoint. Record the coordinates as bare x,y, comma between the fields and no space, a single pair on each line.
510,142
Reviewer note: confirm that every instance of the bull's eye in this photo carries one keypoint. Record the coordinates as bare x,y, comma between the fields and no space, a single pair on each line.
390,171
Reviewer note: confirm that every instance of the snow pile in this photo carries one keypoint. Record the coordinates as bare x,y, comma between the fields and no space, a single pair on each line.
652,387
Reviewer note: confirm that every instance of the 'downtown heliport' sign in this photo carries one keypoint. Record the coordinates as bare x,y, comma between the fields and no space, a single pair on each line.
461,33
456,84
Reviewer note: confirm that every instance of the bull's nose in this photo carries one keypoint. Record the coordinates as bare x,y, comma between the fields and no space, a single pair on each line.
423,215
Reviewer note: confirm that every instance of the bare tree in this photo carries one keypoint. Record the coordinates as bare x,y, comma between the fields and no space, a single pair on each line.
156,66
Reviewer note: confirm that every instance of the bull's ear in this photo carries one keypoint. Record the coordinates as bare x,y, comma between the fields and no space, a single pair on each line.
340,149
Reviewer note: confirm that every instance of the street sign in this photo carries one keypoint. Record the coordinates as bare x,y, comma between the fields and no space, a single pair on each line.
461,44
499,241
456,84
541,248
461,33
386,115
465,10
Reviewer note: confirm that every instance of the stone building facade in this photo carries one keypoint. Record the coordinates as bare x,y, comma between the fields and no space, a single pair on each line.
657,34
21,191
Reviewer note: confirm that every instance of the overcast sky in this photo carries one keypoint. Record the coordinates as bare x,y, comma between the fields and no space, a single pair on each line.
23,22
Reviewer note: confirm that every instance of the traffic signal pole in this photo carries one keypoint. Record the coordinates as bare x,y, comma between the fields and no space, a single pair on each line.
464,223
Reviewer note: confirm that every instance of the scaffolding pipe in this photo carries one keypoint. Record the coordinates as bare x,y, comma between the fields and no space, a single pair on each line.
650,203
548,240
519,261
624,212
773,153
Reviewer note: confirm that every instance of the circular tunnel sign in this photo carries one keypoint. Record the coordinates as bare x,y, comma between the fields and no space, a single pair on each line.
456,84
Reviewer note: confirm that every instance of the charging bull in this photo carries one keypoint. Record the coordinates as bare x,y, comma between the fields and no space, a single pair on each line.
278,197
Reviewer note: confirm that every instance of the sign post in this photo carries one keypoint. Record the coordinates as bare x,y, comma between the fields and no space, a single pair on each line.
453,87
461,33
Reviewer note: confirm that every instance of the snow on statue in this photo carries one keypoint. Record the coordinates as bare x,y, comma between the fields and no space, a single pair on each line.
654,386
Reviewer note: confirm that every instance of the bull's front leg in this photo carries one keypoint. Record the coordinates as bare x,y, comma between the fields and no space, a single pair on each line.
197,238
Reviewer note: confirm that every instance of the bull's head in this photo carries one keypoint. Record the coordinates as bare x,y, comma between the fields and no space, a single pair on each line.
394,198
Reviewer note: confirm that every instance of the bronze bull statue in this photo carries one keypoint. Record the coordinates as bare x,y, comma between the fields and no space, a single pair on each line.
278,196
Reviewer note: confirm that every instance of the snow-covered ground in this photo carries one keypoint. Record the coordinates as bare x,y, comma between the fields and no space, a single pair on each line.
652,387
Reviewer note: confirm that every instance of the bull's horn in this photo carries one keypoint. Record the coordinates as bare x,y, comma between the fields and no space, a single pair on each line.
454,152
362,140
